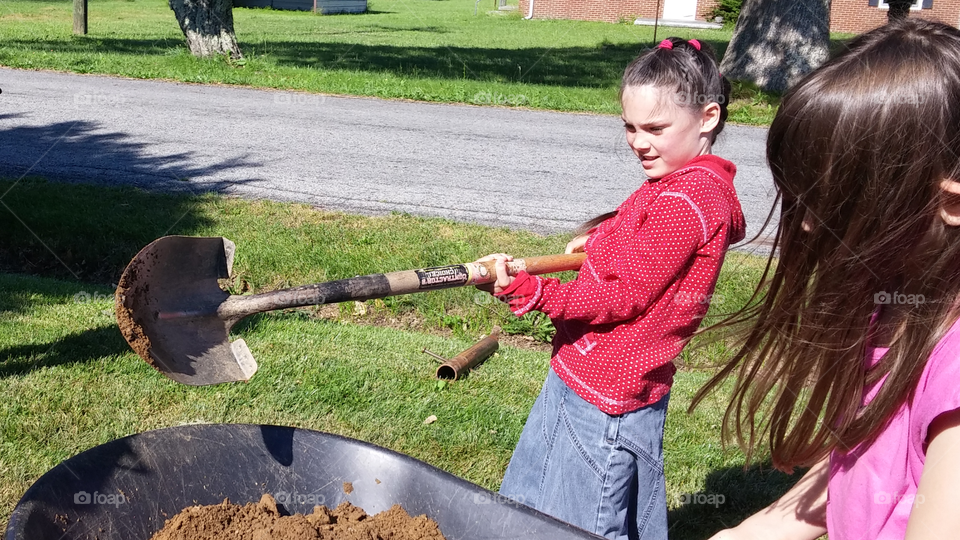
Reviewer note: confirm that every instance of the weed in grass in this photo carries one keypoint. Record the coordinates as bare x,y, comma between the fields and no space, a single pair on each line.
534,324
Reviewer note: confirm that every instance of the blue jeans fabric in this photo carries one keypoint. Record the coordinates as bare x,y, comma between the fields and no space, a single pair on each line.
599,472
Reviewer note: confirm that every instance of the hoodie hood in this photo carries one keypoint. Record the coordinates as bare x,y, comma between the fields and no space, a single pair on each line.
723,172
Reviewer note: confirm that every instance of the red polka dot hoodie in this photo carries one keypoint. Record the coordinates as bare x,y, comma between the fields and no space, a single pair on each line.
644,288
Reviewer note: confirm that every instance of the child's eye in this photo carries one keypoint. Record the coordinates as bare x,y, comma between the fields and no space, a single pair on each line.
655,129
629,128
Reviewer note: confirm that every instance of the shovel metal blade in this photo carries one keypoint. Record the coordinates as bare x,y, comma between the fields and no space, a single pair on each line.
166,306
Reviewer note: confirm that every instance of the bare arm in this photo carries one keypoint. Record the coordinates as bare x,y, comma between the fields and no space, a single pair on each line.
934,515
799,515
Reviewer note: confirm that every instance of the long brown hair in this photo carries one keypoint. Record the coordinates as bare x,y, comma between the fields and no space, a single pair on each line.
858,150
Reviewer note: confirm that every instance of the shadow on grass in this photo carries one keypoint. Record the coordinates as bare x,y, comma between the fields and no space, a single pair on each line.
600,66
729,496
76,348
83,232
253,6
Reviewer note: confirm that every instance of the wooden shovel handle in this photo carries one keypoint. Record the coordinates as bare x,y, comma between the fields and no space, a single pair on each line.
546,264
394,283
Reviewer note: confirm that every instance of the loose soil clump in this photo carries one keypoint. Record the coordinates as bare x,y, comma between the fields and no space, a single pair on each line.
262,521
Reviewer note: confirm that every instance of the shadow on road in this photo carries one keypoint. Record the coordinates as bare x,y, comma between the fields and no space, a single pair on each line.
77,230
83,151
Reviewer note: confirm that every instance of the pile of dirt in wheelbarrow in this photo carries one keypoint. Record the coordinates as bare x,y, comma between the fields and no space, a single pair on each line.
262,521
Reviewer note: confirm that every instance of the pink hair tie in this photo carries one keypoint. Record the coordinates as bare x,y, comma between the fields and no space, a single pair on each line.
665,44
695,43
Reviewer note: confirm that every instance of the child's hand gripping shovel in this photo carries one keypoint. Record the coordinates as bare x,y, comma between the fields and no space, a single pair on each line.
173,313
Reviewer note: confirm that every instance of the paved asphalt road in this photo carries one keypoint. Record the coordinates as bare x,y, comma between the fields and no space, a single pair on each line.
541,171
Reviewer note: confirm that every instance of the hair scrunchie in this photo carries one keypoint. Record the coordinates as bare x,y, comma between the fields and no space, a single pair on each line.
665,44
695,43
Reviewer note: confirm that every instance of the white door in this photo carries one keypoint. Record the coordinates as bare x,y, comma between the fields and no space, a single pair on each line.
680,10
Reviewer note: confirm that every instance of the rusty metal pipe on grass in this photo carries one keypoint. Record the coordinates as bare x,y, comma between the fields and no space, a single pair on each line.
478,352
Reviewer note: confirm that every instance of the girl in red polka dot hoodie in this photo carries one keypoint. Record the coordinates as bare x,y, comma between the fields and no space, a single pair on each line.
591,450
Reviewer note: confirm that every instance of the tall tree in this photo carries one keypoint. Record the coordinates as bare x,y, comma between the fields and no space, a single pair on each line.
776,42
208,26
899,9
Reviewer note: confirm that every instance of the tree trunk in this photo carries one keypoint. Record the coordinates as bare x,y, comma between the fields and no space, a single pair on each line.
776,42
80,17
208,26
899,9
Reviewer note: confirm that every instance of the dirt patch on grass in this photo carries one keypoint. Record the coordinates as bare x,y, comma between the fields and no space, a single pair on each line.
372,316
262,521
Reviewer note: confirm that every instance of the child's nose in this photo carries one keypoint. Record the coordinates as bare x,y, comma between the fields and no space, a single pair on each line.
640,143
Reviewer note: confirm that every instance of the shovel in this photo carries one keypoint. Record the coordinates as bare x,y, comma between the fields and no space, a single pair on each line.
171,310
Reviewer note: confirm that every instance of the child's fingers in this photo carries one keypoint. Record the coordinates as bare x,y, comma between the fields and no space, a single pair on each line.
504,279
500,267
495,256
576,245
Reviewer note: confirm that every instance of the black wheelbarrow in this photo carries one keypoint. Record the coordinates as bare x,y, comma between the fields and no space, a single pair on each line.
127,488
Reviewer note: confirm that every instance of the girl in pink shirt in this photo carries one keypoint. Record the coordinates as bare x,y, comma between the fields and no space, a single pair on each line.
851,361
591,450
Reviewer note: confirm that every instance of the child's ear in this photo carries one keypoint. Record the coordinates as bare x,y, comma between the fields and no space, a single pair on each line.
950,205
710,117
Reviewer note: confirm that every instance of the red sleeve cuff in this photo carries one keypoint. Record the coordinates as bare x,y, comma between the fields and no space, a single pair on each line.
523,294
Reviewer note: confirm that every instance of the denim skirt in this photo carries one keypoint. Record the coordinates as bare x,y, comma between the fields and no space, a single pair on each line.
599,472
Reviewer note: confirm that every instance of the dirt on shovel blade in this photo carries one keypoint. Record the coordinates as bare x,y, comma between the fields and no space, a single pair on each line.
262,521
132,331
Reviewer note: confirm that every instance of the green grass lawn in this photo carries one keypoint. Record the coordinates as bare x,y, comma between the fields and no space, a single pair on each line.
68,381
89,233
411,49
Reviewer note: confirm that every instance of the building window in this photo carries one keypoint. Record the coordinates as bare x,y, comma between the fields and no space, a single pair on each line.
917,4
886,5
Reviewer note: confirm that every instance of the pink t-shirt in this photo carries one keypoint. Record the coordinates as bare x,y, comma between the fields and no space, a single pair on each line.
872,491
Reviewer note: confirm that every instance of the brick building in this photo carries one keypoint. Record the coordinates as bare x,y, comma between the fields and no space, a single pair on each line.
617,10
856,16
852,16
